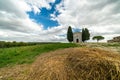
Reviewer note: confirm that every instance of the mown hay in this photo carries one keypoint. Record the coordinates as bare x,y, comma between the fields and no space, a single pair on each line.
76,64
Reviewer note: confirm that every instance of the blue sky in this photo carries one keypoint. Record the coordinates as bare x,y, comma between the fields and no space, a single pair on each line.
44,17
48,20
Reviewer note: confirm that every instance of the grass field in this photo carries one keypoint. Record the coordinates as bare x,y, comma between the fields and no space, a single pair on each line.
86,61
27,54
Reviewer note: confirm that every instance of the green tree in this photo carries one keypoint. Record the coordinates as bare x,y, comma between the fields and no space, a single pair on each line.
85,34
98,38
69,34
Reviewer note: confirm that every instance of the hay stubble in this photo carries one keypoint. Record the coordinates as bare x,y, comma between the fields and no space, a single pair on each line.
76,64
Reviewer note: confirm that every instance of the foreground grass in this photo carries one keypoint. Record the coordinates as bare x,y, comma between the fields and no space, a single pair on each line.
76,64
27,54
93,61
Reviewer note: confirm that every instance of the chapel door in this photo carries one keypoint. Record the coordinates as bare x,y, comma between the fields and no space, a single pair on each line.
77,40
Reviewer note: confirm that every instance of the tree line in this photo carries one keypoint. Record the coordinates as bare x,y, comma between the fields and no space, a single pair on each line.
85,35
4,44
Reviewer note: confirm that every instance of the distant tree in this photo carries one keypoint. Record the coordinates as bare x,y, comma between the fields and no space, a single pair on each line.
14,43
2,44
8,44
69,34
85,34
98,38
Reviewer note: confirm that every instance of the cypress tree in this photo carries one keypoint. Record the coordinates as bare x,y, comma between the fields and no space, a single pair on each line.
69,34
85,34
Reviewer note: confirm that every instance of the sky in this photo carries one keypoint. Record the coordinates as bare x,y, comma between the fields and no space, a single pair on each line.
48,20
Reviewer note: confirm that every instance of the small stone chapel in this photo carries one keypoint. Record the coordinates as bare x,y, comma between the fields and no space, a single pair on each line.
77,37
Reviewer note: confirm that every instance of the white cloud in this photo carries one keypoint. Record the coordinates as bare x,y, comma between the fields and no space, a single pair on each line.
16,25
36,9
36,5
15,17
100,17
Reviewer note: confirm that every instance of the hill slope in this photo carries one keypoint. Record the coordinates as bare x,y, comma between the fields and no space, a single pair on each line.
76,64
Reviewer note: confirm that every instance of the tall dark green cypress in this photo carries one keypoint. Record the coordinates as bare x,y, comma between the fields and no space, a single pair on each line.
69,34
85,34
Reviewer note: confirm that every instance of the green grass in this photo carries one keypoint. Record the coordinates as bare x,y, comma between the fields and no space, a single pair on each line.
27,54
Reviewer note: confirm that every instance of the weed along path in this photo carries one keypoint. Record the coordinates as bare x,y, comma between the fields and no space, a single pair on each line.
71,64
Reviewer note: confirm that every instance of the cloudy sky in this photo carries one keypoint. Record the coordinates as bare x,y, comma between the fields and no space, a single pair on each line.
48,20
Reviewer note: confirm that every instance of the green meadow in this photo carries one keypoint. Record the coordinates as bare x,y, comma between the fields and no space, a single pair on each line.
27,54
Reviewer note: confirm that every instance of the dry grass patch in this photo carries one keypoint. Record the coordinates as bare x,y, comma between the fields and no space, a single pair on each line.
76,64
14,72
